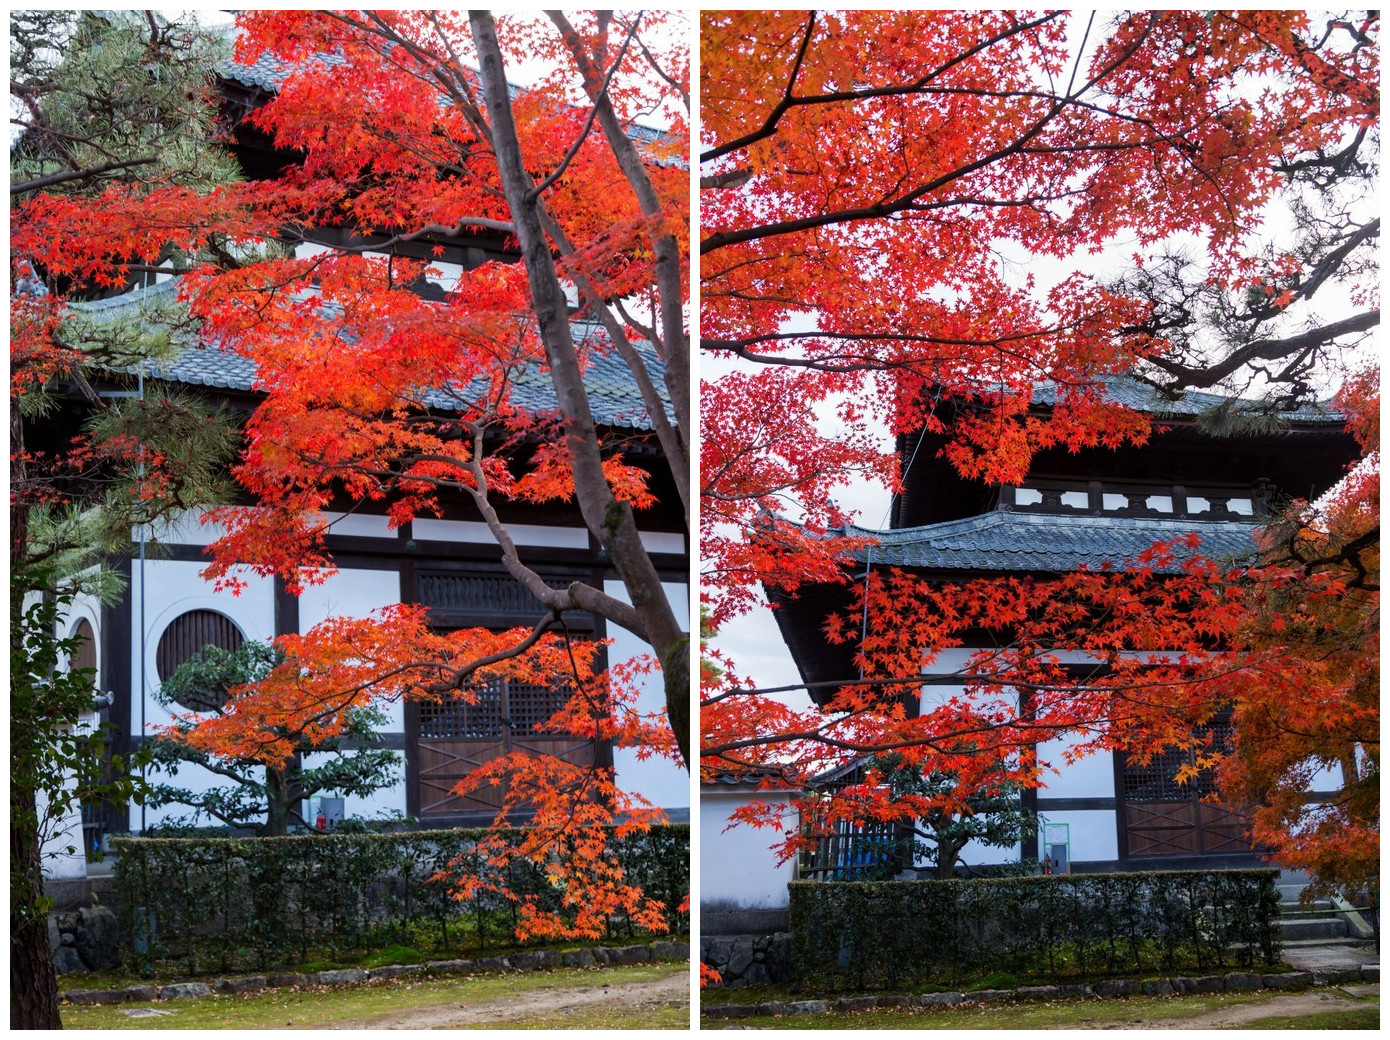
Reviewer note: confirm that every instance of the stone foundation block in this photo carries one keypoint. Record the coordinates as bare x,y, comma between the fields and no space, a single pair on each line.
181,990
938,999
395,971
242,985
340,976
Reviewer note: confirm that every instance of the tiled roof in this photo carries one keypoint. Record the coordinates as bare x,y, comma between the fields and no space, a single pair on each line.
1141,397
747,777
1003,541
613,394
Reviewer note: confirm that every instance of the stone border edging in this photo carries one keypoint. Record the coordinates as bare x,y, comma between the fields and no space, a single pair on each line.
1233,982
527,960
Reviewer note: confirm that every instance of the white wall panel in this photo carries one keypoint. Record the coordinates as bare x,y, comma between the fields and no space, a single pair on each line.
660,781
428,530
738,869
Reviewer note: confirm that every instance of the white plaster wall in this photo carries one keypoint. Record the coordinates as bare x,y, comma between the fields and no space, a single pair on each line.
738,869
1092,832
474,531
1089,777
662,541
187,529
978,854
172,588
380,804
659,780
356,593
359,525
63,856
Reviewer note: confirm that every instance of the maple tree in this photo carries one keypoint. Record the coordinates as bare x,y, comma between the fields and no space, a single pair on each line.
264,798
912,221
403,130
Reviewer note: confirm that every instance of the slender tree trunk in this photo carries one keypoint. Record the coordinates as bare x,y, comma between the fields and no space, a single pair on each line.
277,817
610,520
33,977
947,852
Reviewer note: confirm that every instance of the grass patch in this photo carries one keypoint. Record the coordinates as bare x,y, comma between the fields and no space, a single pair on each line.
1062,1014
393,955
1356,1018
321,1007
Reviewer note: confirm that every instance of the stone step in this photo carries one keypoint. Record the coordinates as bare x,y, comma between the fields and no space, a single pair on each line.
1317,906
1313,928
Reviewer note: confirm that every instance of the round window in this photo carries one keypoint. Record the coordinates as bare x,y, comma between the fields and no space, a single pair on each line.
187,635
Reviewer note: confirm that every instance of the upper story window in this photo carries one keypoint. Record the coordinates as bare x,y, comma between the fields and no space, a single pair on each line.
1155,501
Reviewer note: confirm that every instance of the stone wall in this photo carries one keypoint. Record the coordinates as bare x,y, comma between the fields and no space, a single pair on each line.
85,939
748,960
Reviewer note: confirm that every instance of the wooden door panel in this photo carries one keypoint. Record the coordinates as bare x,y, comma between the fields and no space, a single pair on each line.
1161,828
453,738
1224,829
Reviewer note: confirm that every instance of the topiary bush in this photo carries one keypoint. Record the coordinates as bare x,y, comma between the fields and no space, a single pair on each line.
869,935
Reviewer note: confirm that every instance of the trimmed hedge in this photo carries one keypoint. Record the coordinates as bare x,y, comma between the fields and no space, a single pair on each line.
872,935
236,903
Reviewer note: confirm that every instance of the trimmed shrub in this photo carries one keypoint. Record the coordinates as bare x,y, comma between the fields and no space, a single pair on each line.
868,935
223,904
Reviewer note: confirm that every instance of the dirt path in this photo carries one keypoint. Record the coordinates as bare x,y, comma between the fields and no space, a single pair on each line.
648,994
1239,1014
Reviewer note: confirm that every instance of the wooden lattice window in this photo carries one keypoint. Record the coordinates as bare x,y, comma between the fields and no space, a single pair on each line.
189,633
1156,780
521,707
455,737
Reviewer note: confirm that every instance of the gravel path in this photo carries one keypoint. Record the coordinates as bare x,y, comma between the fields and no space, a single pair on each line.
1307,1003
644,995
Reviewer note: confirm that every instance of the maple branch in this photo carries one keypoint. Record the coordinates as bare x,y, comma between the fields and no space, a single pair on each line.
880,210
789,100
578,595
671,438
505,227
674,345
670,80
609,519
477,664
573,149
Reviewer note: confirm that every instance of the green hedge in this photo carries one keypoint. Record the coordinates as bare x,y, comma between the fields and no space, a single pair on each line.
227,903
870,935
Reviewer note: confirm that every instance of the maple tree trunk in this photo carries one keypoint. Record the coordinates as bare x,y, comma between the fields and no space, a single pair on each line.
610,520
666,251
33,976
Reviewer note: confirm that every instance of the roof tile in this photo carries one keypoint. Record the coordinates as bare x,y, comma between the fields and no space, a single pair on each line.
1002,541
